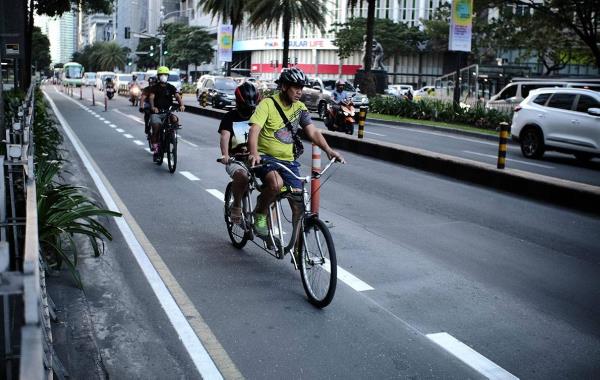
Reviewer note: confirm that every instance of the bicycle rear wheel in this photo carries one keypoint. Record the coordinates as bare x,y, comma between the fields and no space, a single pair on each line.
171,150
318,263
238,233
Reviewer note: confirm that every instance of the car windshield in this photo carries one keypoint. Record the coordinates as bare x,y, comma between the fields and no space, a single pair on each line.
225,84
173,78
91,75
330,85
141,76
125,77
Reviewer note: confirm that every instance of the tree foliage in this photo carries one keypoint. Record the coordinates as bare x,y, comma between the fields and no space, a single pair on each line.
102,56
306,12
396,38
58,7
40,46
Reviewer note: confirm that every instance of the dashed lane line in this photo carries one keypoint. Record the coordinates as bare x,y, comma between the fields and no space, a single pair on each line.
470,357
217,194
112,125
510,159
138,142
119,130
127,135
189,176
134,118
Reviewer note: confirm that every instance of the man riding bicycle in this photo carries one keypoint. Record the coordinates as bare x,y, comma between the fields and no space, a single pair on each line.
234,131
161,99
271,140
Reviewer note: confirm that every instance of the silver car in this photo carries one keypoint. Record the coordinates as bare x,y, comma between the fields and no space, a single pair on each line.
561,119
318,93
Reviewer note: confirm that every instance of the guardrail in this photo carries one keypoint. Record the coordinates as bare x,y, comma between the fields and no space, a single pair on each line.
27,348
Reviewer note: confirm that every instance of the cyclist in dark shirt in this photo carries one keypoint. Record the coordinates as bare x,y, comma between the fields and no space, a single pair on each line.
161,99
234,130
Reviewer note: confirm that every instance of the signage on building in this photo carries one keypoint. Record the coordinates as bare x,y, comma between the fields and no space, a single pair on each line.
461,24
303,43
11,49
225,43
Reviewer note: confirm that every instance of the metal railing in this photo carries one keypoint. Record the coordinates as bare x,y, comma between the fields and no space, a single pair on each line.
27,348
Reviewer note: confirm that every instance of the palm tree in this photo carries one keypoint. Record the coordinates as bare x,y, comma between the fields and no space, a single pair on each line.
110,55
269,13
229,11
368,83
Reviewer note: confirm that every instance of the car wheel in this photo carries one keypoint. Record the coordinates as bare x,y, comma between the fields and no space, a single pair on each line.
321,110
583,157
532,143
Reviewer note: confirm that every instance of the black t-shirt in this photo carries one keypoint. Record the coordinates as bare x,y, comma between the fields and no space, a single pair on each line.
163,95
238,127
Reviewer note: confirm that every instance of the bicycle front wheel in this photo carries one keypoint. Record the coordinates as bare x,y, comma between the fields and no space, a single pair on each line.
318,263
238,232
171,150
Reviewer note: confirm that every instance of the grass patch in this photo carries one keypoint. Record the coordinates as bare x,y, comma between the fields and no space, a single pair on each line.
462,127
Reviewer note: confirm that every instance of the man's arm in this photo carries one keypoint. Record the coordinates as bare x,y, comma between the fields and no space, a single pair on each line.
151,101
317,138
224,143
180,101
253,144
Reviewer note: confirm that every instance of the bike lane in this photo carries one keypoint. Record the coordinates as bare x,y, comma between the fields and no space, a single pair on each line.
254,304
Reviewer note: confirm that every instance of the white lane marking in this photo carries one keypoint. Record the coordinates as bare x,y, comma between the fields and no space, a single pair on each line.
96,115
128,135
188,142
348,278
134,118
148,150
119,130
189,176
106,122
510,159
203,362
138,142
102,119
471,357
112,126
373,133
216,193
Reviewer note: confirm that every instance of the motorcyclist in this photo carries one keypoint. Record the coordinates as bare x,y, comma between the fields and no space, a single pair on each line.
130,86
339,96
145,103
109,87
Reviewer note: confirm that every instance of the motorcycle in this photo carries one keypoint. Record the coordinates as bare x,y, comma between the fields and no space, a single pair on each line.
134,95
335,122
109,88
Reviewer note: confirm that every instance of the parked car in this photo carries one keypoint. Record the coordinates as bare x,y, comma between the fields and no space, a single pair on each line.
122,82
399,89
424,91
515,92
317,95
560,119
220,91
89,78
101,77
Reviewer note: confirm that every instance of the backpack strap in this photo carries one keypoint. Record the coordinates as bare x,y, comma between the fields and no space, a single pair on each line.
282,114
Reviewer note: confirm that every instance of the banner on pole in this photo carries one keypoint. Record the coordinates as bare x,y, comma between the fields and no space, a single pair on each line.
225,43
461,25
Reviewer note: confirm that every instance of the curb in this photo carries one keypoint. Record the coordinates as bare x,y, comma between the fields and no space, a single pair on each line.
580,196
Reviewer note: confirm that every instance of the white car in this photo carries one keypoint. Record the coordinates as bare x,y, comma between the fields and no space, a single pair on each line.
425,91
561,119
89,78
399,89
122,82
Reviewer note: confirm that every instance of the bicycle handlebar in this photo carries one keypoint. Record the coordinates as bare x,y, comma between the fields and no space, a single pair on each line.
314,175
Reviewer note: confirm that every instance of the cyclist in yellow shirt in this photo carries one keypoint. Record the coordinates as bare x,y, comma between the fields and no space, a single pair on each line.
271,139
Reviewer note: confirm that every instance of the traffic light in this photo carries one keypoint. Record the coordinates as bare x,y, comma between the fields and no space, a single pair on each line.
127,32
165,52
151,52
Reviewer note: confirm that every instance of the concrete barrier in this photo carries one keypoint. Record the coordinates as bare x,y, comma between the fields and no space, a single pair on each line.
566,193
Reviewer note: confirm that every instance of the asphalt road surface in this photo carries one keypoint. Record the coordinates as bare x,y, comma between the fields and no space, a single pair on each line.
442,279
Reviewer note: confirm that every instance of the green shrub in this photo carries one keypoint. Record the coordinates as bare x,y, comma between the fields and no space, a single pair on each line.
438,110
188,88
63,213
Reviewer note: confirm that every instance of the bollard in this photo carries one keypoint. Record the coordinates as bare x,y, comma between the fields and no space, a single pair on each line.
504,129
315,183
93,97
362,116
204,98
105,102
81,92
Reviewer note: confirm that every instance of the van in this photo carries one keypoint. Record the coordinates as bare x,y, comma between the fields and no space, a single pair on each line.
101,77
515,92
89,78
173,78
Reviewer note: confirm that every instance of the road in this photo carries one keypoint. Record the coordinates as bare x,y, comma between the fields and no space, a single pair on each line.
515,280
553,164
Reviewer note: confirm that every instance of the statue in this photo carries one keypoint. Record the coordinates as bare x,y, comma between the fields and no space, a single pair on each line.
376,54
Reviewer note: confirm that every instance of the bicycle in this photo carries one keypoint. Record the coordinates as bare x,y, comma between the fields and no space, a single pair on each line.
310,244
167,142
